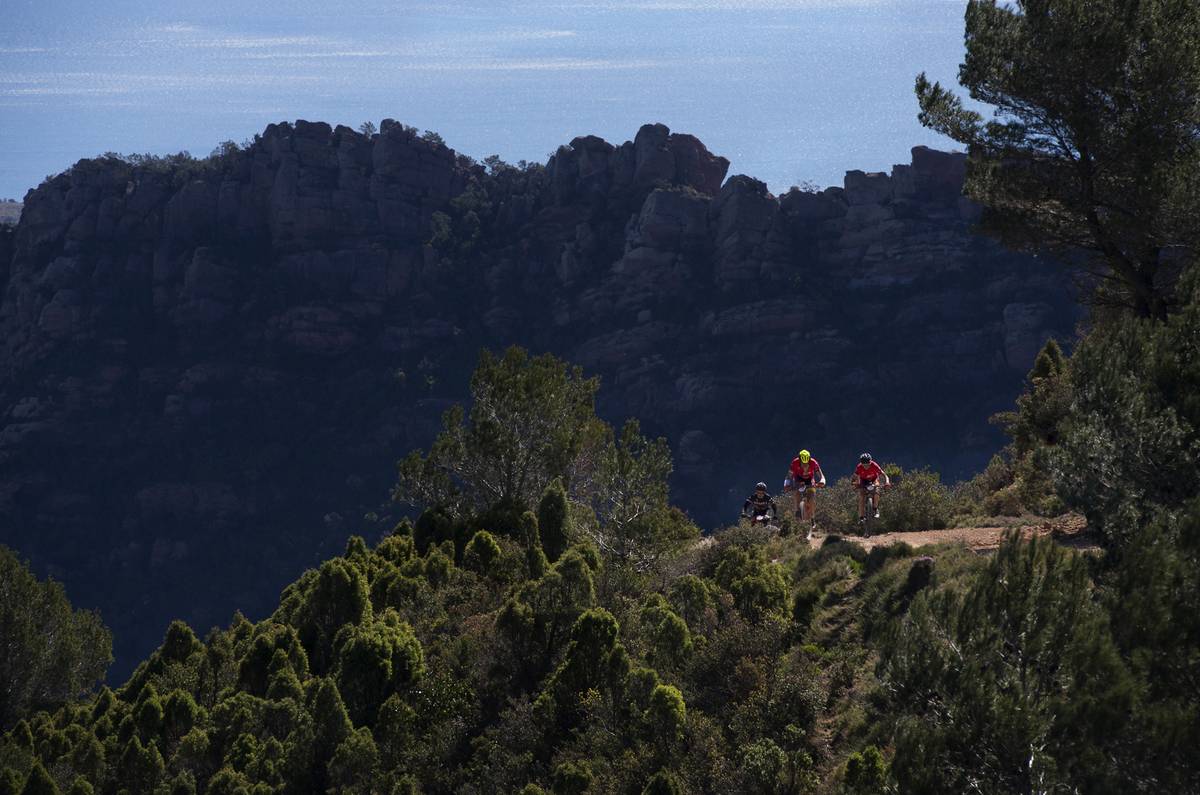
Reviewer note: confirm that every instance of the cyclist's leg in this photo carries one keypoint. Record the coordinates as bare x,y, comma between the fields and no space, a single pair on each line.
878,496
862,502
811,503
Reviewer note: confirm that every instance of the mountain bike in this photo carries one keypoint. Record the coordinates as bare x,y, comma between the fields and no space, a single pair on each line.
872,507
807,491
761,520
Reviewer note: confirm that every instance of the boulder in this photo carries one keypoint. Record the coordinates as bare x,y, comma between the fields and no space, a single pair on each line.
695,166
654,162
672,220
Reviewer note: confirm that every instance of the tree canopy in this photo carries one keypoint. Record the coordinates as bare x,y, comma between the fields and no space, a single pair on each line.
531,420
49,652
1094,150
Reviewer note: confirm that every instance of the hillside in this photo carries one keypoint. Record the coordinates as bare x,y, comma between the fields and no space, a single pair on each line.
396,670
199,356
10,212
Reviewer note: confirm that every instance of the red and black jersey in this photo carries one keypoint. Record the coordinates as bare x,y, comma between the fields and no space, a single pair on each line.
869,473
805,473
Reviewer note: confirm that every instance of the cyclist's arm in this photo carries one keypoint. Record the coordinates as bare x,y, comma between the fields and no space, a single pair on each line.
820,473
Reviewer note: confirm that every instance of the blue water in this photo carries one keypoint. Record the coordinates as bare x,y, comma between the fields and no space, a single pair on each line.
790,91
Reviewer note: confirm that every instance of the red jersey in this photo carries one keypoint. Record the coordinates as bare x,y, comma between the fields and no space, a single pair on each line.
800,472
868,473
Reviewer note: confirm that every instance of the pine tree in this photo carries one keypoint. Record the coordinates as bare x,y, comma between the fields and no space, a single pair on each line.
39,782
1093,153
482,553
374,661
338,596
354,767
1017,679
52,653
552,516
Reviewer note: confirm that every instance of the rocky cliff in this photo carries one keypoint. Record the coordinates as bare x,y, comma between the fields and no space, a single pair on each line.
10,212
207,369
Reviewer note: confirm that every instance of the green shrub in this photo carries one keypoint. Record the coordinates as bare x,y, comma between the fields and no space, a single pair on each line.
866,772
482,553
669,640
1125,455
572,778
374,660
879,556
666,714
553,515
918,500
1017,675
762,767
1007,501
971,496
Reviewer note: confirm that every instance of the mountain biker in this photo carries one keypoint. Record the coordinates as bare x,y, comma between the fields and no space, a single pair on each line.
806,477
759,504
867,472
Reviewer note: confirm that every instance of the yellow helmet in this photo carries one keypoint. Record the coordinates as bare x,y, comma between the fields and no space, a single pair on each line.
804,456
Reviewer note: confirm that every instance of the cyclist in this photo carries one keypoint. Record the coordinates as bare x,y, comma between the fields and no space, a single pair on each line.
866,473
759,504
806,477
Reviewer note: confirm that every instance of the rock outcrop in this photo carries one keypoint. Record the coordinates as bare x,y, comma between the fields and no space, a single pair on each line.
207,369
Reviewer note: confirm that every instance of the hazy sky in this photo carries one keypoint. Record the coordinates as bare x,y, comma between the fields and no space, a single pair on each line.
788,90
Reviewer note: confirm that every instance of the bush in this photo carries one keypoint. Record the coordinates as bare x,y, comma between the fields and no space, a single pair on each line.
666,715
879,556
1126,454
1016,675
973,496
572,778
481,553
917,501
866,772
1005,502
762,767
759,588
553,516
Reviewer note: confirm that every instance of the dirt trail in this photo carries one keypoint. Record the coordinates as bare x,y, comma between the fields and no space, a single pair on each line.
1069,531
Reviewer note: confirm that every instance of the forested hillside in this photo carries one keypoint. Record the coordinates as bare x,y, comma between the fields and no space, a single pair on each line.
552,622
561,628
189,347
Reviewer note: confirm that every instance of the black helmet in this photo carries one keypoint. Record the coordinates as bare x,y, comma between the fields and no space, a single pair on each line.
760,486
865,458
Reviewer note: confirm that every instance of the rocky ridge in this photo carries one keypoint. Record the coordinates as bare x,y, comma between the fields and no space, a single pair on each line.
208,368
